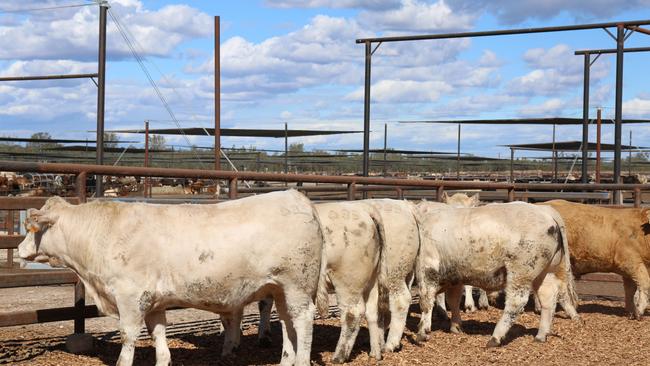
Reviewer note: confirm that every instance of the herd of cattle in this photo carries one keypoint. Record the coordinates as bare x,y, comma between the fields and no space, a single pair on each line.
137,259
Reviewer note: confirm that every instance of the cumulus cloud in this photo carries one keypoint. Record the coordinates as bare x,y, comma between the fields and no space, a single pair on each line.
360,4
555,71
517,11
416,15
71,33
638,107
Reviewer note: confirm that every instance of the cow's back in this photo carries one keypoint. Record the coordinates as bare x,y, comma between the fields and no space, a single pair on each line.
603,239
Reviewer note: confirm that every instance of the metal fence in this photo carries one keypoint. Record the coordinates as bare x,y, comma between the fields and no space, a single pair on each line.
348,187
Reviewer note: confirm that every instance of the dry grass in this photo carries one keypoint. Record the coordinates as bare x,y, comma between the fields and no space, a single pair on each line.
607,337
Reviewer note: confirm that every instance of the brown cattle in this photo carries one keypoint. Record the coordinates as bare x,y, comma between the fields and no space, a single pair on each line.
610,240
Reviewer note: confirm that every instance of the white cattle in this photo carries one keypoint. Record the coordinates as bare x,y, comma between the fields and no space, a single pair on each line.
353,236
519,247
136,260
462,200
397,264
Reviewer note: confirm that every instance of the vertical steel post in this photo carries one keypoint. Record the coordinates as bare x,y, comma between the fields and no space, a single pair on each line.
146,158
585,118
352,192
439,192
101,94
385,146
554,156
232,188
637,197
512,171
217,93
286,149
629,156
366,111
618,108
9,223
458,155
598,123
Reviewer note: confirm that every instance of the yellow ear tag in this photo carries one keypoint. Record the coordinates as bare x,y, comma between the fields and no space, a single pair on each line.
33,229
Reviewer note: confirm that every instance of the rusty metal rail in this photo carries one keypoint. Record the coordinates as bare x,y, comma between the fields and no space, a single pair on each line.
350,189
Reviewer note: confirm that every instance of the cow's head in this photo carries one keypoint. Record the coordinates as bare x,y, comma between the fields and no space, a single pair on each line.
38,225
460,200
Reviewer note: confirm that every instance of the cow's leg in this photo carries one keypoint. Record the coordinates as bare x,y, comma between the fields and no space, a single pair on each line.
483,302
441,307
232,326
630,288
538,304
264,329
516,299
301,310
547,294
289,338
156,323
400,300
352,308
372,318
643,282
454,294
130,325
470,306
427,296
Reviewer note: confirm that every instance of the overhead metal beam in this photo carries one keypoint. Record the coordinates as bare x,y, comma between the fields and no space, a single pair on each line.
503,32
585,118
48,77
217,93
611,50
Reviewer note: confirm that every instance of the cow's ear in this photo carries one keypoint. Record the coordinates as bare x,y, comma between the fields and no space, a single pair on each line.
445,197
647,215
37,220
474,200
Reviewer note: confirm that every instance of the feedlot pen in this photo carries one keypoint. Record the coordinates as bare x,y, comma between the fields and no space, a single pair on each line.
34,319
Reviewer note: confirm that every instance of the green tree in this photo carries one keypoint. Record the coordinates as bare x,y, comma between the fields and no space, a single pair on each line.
41,144
111,139
297,147
157,142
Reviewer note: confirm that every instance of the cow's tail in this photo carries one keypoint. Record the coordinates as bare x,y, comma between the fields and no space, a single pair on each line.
570,293
382,269
322,295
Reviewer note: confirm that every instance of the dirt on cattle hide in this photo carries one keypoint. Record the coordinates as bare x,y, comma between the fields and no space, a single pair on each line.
607,337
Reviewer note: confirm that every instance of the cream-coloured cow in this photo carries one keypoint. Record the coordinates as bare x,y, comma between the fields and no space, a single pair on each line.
137,259
517,247
353,235
462,200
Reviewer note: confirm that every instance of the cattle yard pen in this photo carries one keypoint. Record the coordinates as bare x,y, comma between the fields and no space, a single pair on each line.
352,188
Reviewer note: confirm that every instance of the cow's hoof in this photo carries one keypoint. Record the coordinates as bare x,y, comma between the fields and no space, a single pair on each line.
483,306
375,355
338,359
540,339
390,349
578,320
493,342
470,309
421,338
456,329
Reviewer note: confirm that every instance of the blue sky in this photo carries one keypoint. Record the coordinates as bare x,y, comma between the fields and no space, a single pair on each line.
297,62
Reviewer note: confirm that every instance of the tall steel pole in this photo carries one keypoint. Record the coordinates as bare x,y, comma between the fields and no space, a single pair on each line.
458,155
366,111
585,118
101,94
217,93
598,123
286,148
385,147
618,109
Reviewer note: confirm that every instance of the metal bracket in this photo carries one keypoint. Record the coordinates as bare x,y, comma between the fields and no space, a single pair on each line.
373,51
639,29
95,82
594,60
610,34
627,35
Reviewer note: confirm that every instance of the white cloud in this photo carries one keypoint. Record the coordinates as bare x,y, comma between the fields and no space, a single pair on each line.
638,107
550,107
417,15
363,4
517,11
72,34
404,91
556,71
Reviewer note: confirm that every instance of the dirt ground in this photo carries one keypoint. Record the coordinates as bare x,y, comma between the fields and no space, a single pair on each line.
607,337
